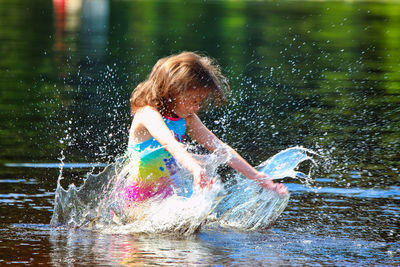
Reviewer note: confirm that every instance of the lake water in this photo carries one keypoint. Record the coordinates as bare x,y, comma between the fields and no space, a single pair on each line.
321,75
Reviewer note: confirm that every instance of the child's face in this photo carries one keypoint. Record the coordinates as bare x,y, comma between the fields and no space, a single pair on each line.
189,102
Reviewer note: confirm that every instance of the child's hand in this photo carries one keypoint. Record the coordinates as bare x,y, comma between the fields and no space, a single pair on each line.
263,180
201,180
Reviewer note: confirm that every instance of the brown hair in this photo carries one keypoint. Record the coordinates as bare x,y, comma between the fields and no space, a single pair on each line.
176,74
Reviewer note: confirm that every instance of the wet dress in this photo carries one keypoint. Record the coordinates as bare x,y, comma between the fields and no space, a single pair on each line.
156,166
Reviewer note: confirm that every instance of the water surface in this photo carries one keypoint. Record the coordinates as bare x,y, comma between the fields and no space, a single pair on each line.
322,75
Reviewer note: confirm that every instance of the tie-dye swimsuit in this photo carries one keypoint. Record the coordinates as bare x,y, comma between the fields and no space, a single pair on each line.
156,165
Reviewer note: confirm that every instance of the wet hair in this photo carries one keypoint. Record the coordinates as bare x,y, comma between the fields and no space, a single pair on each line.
173,75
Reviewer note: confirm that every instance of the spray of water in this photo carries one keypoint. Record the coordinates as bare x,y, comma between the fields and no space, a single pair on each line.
240,203
247,206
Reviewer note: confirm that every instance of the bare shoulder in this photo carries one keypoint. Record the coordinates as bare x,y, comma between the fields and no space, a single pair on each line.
146,111
139,129
145,115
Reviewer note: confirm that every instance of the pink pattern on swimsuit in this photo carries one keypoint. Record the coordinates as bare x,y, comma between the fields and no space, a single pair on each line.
137,192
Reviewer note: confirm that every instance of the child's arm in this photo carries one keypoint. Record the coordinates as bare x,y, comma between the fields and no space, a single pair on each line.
152,120
199,132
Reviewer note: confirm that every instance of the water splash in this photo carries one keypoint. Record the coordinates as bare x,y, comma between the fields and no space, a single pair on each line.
240,203
79,206
247,206
285,163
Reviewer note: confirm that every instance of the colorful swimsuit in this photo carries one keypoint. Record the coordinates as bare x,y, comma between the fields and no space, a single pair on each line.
156,165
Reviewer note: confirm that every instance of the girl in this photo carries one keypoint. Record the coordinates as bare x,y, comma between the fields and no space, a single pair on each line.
164,108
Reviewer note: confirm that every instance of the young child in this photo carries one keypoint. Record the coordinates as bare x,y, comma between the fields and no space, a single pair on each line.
164,108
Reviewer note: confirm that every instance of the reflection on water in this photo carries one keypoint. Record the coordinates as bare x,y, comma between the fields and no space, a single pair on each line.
204,249
321,75
82,247
207,248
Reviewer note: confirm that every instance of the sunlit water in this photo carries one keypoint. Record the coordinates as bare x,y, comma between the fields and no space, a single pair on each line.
319,75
